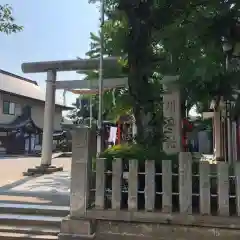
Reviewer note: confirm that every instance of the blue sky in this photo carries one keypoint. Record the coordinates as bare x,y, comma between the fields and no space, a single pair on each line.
53,30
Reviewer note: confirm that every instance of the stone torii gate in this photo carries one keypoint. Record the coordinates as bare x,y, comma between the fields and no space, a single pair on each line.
51,68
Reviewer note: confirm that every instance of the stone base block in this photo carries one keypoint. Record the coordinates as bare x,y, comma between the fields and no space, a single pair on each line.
80,229
108,230
77,229
63,236
42,169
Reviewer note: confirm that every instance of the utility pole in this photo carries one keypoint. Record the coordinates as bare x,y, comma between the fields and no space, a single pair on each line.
100,82
229,122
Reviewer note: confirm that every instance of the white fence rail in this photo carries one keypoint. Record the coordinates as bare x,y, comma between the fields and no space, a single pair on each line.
213,189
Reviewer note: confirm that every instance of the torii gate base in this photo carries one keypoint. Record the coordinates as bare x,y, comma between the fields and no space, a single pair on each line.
42,169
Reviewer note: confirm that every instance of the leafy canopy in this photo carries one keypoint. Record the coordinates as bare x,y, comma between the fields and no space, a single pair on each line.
7,21
186,34
159,37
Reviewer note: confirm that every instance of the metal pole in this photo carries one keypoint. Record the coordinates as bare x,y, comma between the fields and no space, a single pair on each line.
91,115
229,125
234,140
229,133
100,83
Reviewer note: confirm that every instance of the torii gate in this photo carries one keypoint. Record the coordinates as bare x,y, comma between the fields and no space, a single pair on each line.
51,68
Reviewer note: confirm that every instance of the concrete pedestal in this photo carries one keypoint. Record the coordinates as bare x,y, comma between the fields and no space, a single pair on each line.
83,149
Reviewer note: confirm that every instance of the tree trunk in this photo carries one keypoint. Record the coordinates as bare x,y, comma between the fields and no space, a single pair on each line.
139,64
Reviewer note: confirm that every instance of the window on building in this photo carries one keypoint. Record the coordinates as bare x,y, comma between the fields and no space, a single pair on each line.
8,107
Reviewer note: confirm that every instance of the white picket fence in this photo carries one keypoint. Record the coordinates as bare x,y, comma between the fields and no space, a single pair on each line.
185,183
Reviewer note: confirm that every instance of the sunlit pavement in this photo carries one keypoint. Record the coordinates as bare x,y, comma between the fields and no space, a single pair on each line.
46,189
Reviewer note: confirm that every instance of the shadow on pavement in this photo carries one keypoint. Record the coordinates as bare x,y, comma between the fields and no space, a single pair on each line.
15,184
52,189
34,198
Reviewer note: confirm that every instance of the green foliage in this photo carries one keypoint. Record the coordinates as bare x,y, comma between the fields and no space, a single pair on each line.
159,37
115,102
81,114
143,98
197,55
135,151
125,151
7,21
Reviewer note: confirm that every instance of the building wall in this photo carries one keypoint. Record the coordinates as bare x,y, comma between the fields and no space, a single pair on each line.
37,110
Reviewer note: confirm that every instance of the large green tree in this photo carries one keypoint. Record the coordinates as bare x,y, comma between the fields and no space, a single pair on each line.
146,106
7,21
159,37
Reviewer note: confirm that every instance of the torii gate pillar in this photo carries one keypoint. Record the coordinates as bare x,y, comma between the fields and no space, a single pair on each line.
48,124
48,128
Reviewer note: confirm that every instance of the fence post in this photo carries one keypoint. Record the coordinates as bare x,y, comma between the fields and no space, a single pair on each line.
80,172
223,189
75,224
117,173
150,185
205,197
185,182
100,183
133,185
167,186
